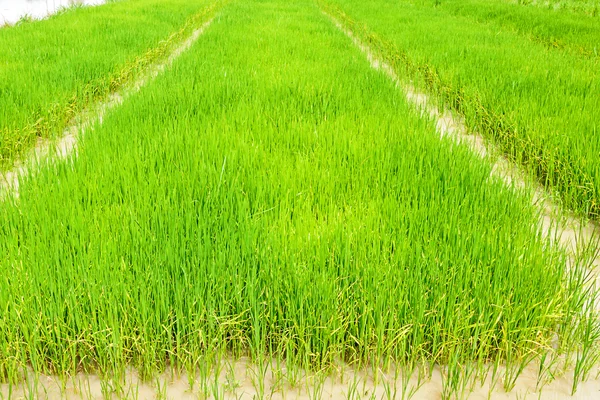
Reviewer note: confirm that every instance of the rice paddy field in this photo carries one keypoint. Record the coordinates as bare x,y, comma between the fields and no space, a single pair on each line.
539,102
270,213
52,69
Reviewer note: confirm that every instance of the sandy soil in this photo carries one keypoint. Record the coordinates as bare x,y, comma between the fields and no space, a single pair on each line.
243,380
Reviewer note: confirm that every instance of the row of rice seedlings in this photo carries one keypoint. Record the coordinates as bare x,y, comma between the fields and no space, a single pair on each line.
51,70
274,197
575,33
537,104
581,7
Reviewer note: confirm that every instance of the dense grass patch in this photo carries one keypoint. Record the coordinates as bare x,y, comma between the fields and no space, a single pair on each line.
52,69
564,31
538,104
581,7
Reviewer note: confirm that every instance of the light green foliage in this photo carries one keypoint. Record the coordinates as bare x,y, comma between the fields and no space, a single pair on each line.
539,103
273,195
577,34
583,7
52,69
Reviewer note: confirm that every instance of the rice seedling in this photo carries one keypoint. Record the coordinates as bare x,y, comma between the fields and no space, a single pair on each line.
273,197
538,104
52,69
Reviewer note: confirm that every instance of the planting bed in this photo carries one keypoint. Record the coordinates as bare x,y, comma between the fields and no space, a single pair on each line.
52,69
538,103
